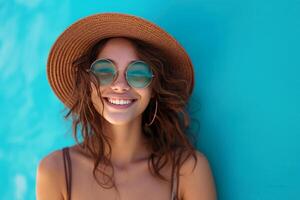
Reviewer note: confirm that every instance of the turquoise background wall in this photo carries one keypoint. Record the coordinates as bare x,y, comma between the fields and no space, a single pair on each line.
247,68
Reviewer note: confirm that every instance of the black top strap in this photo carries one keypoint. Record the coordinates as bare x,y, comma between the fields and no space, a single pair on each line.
68,171
175,181
177,185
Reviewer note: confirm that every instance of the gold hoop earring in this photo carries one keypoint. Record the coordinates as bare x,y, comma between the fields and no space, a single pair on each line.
154,114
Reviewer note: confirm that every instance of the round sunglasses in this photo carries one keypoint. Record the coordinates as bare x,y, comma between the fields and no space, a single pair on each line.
138,73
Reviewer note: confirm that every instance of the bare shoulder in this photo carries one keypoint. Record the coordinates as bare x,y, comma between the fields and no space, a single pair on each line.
50,177
52,161
196,179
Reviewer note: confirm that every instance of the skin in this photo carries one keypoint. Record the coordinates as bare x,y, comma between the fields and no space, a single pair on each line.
129,151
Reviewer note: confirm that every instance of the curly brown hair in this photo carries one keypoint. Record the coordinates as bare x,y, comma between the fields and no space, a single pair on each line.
169,137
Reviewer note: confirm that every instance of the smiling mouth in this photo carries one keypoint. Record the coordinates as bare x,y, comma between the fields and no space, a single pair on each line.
106,98
119,106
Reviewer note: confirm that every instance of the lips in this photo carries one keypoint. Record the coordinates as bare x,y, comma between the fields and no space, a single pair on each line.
119,98
106,98
119,106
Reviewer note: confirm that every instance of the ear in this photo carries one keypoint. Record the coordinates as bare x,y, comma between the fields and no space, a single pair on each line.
93,86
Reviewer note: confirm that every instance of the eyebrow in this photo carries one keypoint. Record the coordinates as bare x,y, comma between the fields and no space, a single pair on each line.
116,63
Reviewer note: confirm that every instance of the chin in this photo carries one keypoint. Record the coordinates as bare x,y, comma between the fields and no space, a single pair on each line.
118,122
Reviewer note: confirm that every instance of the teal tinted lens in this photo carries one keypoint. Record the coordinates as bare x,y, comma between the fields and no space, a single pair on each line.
104,71
139,74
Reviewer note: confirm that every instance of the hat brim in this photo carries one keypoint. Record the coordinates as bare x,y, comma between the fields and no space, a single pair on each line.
79,36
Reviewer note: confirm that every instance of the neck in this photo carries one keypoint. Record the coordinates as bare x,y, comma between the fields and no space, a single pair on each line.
128,143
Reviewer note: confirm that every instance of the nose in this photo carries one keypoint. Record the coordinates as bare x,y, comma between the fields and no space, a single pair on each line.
120,84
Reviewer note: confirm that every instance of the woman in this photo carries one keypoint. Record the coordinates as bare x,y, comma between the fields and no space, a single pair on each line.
126,82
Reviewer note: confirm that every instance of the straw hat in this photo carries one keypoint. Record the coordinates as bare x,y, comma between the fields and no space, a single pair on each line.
79,36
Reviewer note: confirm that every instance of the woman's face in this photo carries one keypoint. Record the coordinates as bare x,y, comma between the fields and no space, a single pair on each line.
122,52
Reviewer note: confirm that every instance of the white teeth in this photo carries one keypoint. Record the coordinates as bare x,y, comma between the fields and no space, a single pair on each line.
119,101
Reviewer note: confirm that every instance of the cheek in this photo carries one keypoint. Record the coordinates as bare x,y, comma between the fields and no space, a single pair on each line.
146,97
96,100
